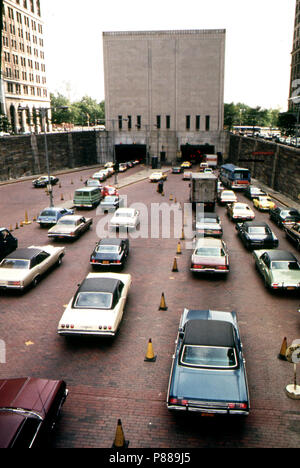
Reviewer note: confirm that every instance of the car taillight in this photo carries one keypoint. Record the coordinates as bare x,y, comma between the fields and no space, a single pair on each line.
118,261
194,265
177,401
222,267
237,405
275,285
14,283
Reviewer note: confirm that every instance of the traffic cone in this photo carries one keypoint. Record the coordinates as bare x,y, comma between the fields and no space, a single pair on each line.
120,441
150,357
174,268
178,248
72,182
17,227
182,234
59,185
283,349
10,228
21,224
175,201
62,197
163,305
26,218
171,197
162,194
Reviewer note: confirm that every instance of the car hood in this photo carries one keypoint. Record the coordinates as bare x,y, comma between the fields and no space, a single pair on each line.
285,276
212,385
241,213
11,274
198,259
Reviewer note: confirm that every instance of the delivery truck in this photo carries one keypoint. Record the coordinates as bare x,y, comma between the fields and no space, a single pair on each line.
203,189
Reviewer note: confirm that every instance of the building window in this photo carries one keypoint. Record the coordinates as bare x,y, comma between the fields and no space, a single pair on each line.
158,121
168,121
187,122
138,122
207,122
197,122
120,120
129,122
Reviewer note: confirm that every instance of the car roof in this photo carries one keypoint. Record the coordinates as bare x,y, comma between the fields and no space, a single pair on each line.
24,253
209,333
99,285
281,255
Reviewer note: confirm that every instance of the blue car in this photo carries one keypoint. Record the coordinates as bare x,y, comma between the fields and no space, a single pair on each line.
50,216
208,372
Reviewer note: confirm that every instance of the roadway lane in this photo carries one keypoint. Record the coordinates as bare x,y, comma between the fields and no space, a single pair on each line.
109,379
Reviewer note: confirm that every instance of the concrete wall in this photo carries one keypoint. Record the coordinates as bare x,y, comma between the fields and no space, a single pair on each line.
275,165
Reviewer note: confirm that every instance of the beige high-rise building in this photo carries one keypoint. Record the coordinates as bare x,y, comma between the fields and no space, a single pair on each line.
164,92
24,82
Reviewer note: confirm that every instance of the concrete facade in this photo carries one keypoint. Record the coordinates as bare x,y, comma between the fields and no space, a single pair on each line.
165,89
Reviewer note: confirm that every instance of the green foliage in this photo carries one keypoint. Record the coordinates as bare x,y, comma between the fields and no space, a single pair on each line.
241,114
84,112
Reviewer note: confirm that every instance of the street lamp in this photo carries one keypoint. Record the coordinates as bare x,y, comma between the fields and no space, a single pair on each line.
43,113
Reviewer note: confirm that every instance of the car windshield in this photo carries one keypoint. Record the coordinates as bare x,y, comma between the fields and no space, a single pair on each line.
208,356
108,249
127,214
210,252
285,265
241,207
15,263
207,220
48,213
228,194
257,230
264,199
93,300
67,222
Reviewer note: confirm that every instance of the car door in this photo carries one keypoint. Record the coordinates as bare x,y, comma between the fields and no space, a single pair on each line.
265,267
43,261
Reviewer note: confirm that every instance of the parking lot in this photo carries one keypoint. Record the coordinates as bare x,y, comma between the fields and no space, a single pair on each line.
109,379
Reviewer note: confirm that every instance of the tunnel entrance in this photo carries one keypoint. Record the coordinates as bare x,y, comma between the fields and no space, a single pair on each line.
194,153
126,153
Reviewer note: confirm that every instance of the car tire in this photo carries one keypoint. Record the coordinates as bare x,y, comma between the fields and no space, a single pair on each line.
59,260
35,281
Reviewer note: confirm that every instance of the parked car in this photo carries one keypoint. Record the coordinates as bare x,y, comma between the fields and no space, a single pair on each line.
186,164
97,307
26,266
110,253
208,170
43,181
29,409
284,216
70,226
123,167
208,224
220,187
109,190
110,203
253,192
177,170
109,164
293,233
203,166
93,183
52,215
8,242
240,212
100,175
128,218
157,176
210,256
226,196
279,269
256,235
208,373
264,203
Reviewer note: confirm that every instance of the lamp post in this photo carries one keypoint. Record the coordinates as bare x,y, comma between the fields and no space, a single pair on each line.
43,113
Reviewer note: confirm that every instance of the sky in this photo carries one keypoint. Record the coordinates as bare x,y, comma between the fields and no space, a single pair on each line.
259,39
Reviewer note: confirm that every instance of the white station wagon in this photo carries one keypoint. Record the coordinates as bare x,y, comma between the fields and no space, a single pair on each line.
97,306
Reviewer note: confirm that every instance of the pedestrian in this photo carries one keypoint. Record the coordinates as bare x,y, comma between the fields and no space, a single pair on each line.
160,187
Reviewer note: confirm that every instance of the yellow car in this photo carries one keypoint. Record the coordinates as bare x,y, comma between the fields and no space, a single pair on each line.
263,203
186,164
157,176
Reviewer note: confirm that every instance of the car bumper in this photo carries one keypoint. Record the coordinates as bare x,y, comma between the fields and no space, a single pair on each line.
208,411
209,271
68,332
61,236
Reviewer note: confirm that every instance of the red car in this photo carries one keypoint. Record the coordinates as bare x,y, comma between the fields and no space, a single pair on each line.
109,190
29,408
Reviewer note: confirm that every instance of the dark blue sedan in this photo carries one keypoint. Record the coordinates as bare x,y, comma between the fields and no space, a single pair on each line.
50,216
208,372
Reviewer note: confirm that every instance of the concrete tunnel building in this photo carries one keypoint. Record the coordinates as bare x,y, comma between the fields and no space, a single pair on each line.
164,93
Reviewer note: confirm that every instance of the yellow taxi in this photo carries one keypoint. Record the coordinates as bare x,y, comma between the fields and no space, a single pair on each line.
263,203
186,164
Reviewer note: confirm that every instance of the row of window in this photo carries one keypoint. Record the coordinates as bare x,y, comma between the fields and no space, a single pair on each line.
17,75
190,123
15,60
21,33
34,6
16,88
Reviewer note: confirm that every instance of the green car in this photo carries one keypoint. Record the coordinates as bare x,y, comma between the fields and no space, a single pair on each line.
280,269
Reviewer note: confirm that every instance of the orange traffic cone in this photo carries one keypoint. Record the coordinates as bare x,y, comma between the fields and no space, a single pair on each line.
150,357
26,218
175,268
178,248
282,352
120,441
163,305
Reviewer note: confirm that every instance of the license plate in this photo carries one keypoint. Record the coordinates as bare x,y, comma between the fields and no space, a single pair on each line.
290,287
209,415
105,262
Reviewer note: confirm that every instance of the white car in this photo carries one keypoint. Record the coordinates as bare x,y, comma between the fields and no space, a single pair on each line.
226,196
97,306
26,266
157,176
240,212
100,175
128,218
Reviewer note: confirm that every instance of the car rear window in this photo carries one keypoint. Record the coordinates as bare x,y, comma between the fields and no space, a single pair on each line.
94,300
285,265
16,264
210,252
209,356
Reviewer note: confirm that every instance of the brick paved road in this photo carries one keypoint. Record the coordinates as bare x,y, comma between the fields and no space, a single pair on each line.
109,380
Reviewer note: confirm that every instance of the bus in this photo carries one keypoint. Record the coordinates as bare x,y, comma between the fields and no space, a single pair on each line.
235,177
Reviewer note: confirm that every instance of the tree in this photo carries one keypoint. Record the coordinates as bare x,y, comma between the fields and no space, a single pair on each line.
84,112
287,123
